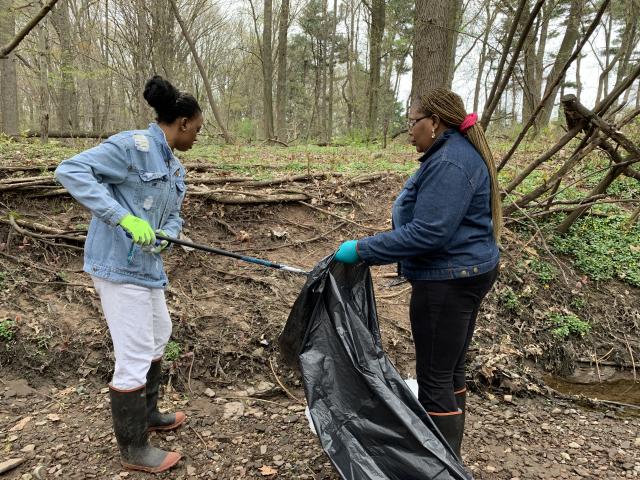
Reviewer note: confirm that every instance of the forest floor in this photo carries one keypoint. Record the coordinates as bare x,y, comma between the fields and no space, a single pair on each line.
245,408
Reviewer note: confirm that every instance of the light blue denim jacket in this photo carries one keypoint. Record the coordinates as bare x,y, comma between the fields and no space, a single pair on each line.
131,172
442,226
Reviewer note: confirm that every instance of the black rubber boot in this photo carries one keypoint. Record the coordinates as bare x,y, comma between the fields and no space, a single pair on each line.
157,420
128,409
450,427
461,400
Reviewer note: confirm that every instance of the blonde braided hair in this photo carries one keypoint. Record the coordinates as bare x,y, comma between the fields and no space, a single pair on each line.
449,107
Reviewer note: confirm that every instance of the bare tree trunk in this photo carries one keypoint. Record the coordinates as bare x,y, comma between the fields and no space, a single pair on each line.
603,82
375,48
203,73
67,100
163,40
547,12
9,123
281,83
566,47
267,69
530,81
482,60
436,24
502,78
43,54
331,70
549,90
350,98
322,52
578,79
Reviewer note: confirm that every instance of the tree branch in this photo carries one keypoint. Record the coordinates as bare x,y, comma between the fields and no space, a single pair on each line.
7,49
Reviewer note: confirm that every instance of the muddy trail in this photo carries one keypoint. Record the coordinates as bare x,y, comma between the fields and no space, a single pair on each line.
245,408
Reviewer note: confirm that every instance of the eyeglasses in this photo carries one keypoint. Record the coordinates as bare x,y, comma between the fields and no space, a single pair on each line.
412,123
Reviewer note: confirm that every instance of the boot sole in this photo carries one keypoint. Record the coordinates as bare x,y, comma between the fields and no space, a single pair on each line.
180,419
170,460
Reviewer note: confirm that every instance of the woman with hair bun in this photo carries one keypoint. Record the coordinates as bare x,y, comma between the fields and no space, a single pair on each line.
134,187
446,227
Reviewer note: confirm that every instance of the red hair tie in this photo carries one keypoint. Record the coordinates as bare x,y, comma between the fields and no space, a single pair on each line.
468,122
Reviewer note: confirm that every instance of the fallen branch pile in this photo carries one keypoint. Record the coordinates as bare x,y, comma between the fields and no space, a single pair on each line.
317,191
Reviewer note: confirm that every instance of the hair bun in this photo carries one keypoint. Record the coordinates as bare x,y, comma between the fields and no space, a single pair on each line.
160,94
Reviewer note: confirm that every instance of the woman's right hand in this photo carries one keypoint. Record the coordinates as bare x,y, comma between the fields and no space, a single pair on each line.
140,231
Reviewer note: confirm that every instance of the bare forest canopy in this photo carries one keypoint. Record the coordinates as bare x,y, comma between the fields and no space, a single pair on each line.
308,70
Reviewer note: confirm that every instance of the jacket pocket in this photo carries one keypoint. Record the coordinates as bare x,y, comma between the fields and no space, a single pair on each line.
151,189
181,189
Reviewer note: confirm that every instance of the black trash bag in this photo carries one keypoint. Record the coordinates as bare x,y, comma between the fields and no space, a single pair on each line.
369,423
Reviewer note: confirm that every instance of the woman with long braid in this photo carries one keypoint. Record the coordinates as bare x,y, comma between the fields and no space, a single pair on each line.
446,226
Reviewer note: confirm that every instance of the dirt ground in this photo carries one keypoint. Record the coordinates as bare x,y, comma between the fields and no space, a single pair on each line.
245,409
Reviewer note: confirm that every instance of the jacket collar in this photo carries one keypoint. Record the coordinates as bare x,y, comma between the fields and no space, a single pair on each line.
444,136
158,134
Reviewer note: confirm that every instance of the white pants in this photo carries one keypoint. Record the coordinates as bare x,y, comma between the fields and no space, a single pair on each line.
140,328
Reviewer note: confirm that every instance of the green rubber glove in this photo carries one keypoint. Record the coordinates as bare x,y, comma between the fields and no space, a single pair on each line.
347,252
139,229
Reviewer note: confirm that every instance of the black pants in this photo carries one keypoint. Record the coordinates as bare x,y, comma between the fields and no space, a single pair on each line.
443,318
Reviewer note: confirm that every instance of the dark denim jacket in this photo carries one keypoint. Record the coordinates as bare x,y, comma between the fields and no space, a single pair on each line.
442,227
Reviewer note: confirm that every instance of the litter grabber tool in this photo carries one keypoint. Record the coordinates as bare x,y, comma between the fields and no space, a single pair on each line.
225,253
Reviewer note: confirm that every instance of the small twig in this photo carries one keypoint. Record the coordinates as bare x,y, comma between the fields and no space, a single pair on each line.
219,367
256,399
327,212
30,264
595,401
395,294
595,356
293,244
633,362
542,239
204,444
66,284
282,386
193,357
313,474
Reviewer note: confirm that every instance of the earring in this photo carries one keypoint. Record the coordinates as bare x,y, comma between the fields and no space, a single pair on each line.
433,134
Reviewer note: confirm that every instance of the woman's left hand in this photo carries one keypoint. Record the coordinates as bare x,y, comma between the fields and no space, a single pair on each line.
348,252
160,245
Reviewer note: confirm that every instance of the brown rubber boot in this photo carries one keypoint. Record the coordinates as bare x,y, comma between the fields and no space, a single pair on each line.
129,412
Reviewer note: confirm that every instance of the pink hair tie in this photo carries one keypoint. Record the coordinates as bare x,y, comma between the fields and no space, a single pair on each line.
468,122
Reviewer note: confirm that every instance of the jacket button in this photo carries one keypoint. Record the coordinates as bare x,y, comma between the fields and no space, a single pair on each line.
475,269
463,273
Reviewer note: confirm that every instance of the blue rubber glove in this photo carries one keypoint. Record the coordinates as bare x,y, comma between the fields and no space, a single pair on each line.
347,252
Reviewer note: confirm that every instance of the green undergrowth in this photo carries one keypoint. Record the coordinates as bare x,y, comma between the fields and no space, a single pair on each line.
604,248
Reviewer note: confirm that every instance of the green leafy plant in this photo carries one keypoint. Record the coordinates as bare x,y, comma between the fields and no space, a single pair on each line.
510,300
578,303
7,330
544,271
566,325
604,248
172,351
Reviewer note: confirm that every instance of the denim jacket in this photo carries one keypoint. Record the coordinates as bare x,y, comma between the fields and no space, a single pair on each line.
442,226
131,172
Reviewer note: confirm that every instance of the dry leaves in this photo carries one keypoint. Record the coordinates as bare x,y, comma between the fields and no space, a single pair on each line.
267,471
